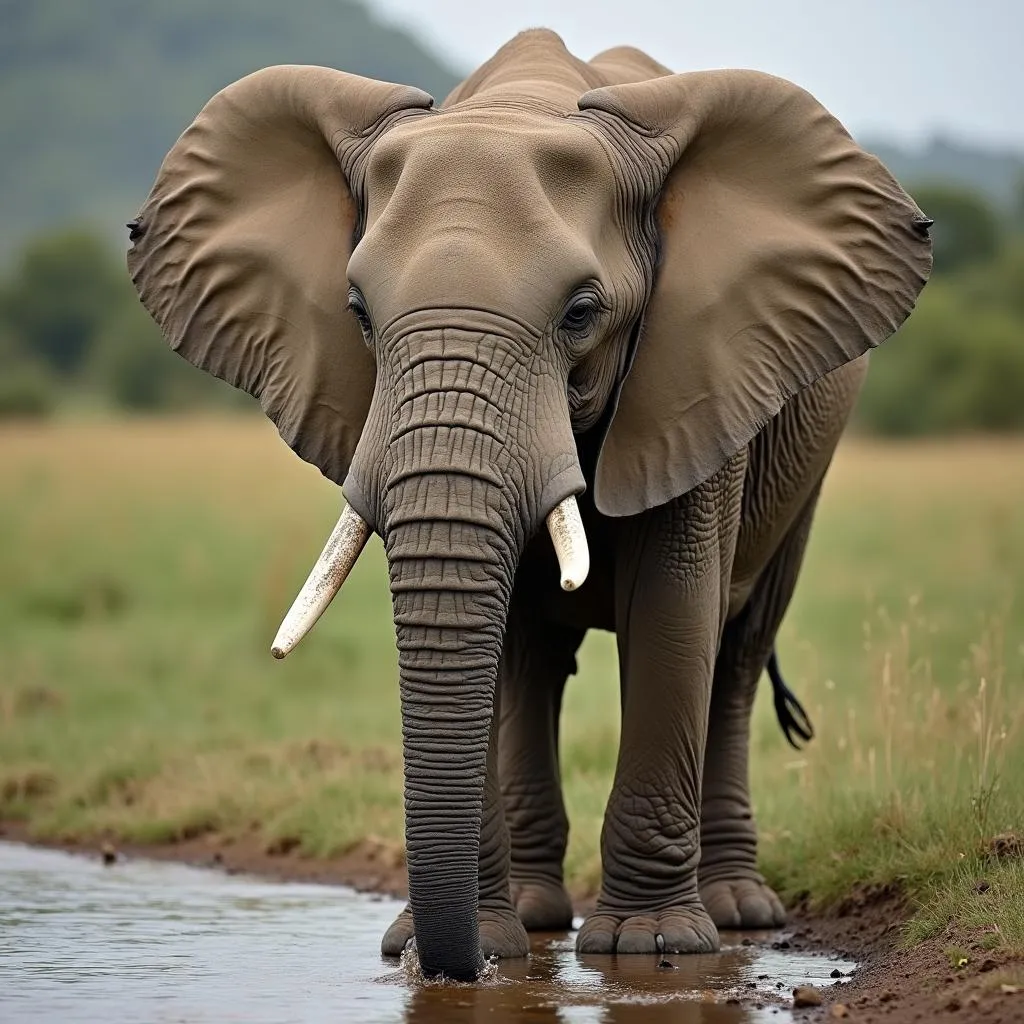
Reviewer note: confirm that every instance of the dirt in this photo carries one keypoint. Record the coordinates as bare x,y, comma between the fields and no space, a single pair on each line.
372,865
891,984
897,985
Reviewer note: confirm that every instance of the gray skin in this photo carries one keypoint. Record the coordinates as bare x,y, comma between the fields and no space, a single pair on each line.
695,605
651,291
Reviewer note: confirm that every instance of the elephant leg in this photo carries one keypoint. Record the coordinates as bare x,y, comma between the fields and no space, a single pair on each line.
501,932
672,594
731,888
537,659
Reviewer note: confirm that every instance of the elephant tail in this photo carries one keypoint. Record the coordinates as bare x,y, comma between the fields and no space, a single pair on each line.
790,712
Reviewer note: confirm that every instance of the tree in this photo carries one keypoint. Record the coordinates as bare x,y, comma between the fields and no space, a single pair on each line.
966,229
26,387
1018,205
62,291
957,364
1001,282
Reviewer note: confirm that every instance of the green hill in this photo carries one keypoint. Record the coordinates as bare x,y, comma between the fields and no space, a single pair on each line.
997,174
92,95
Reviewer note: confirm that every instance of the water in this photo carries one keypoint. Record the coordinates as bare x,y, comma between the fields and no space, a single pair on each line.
163,943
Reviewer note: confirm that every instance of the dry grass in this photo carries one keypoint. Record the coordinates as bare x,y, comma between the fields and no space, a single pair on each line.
144,566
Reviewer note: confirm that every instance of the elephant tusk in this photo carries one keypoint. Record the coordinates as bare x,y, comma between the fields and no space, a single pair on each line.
347,540
570,541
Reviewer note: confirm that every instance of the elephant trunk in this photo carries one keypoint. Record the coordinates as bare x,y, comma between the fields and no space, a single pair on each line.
456,479
450,583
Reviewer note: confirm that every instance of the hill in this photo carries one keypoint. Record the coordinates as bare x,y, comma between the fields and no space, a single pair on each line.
996,174
93,95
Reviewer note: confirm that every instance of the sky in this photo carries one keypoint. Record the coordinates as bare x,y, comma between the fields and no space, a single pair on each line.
904,69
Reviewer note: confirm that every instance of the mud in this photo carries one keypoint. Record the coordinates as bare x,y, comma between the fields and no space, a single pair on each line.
371,866
891,984
896,985
85,940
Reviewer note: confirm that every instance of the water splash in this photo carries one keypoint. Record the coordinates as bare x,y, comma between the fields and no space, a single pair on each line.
409,965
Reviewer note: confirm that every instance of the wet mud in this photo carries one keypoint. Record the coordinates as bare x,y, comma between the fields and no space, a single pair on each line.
142,940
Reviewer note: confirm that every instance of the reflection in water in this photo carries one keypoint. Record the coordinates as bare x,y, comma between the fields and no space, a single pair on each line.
162,942
558,987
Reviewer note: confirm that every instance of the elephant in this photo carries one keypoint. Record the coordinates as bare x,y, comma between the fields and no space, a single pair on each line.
632,305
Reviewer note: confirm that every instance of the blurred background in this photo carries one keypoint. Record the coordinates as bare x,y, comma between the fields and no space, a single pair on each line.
92,97
153,529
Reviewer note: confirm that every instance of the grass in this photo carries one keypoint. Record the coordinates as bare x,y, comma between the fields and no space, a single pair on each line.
144,566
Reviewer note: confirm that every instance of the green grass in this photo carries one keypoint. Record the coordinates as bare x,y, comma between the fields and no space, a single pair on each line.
145,565
990,900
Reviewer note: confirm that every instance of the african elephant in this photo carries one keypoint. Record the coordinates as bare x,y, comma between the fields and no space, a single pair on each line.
628,303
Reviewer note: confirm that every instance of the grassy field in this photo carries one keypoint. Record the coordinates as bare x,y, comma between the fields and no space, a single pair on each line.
145,565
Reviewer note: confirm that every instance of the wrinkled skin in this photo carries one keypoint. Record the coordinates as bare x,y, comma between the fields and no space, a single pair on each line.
656,297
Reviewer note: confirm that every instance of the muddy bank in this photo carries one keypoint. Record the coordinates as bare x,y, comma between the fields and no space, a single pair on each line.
896,985
891,985
373,865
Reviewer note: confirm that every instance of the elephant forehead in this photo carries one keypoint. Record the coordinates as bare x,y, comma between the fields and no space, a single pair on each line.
483,207
507,156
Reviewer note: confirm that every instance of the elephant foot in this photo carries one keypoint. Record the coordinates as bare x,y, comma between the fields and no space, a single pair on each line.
542,905
501,933
745,903
397,937
682,929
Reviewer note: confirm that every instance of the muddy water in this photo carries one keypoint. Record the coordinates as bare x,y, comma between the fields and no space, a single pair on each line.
142,941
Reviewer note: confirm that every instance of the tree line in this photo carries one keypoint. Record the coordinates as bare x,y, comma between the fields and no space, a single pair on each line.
73,333
957,365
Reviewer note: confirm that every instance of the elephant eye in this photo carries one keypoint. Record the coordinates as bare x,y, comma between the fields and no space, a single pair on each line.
580,315
357,307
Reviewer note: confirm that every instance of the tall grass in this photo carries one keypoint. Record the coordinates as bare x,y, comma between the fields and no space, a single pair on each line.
144,566
913,788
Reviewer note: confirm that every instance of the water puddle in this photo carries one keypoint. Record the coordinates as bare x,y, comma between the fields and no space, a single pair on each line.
145,941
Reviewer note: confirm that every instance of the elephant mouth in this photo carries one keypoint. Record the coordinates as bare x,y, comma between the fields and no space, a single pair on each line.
349,537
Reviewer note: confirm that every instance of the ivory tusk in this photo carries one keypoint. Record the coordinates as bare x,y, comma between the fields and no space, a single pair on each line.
570,540
347,540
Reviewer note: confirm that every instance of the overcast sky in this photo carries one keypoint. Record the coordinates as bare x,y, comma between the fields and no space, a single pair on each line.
902,68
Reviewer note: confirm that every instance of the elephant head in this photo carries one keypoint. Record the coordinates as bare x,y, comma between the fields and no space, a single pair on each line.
433,305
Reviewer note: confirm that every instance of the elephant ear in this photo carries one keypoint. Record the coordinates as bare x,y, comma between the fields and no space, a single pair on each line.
241,249
785,251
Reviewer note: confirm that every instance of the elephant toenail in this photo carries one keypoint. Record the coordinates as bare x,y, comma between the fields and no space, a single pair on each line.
659,941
